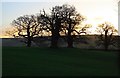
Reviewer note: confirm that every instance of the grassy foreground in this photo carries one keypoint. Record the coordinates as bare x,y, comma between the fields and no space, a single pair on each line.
22,61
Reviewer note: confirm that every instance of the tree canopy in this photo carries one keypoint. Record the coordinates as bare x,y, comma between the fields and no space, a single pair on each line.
27,27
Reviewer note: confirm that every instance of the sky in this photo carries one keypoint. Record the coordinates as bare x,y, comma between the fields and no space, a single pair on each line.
96,11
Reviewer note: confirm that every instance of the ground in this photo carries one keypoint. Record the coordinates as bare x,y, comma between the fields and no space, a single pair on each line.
35,61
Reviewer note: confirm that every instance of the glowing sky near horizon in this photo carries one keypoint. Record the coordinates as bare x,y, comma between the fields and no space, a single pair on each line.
96,11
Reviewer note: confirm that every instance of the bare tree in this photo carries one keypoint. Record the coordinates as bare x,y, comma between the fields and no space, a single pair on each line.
27,27
107,32
63,19
71,20
52,24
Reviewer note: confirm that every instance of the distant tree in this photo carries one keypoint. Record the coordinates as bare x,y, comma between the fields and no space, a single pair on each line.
107,32
27,27
11,32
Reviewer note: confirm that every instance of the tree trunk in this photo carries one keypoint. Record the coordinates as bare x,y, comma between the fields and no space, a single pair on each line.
54,39
55,33
106,44
70,41
69,36
54,42
106,40
28,36
29,42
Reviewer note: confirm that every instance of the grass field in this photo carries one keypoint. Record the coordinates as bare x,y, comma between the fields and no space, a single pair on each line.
22,61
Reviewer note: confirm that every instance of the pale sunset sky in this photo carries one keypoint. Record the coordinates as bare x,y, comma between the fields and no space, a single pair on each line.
96,11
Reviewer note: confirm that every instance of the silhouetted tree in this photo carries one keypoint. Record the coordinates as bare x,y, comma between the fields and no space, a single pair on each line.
83,30
71,20
11,32
27,27
62,18
51,23
106,37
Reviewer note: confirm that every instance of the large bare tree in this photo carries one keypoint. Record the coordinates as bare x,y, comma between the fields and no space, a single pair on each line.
52,24
71,19
63,18
27,27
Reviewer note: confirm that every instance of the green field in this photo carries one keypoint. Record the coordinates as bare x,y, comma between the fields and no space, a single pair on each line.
22,61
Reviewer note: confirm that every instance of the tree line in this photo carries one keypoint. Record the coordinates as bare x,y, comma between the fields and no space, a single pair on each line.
63,20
